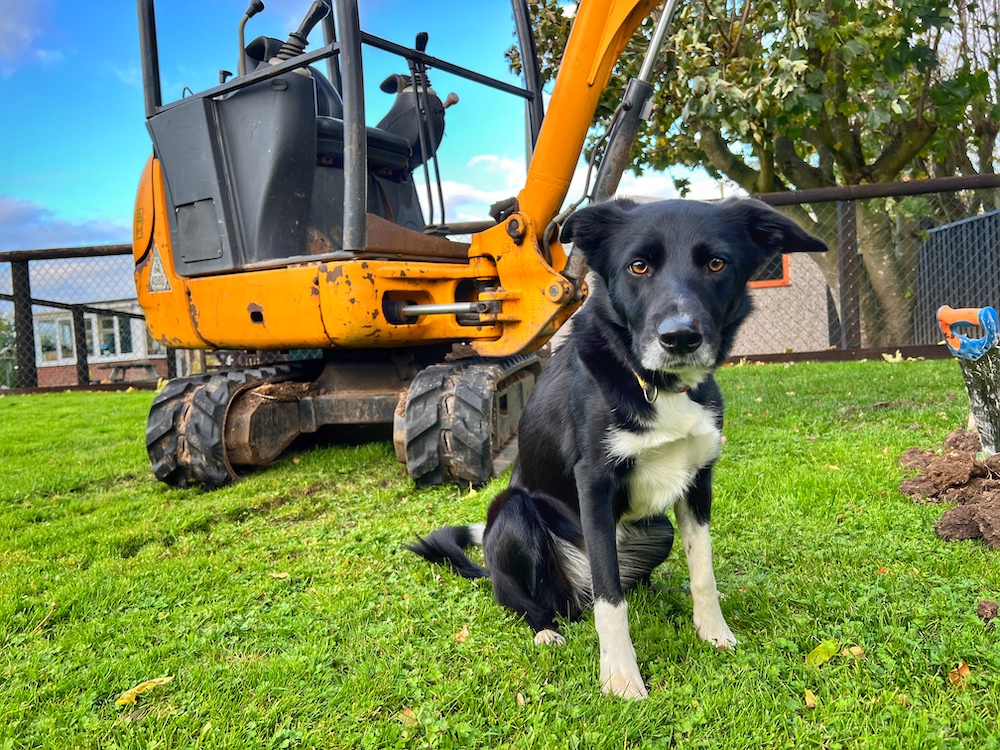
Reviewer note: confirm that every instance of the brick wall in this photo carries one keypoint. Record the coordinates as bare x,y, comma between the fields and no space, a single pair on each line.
65,375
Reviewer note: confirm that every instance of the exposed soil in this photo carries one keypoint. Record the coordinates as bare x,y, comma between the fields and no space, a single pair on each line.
953,474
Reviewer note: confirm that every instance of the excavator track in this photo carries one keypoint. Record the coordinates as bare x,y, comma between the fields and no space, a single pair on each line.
456,422
185,429
459,420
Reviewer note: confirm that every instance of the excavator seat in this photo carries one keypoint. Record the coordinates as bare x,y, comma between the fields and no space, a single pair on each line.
385,150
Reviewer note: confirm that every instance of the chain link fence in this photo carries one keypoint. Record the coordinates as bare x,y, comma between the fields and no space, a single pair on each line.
897,253
70,317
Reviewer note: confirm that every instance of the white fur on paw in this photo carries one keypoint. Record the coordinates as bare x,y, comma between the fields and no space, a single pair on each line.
720,635
619,669
623,682
548,638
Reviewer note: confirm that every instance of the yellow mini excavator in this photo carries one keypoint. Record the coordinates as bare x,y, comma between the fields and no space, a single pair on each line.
271,217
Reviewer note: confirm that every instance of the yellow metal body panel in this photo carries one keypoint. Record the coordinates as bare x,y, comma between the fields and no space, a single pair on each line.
162,293
273,309
341,304
534,298
352,294
599,34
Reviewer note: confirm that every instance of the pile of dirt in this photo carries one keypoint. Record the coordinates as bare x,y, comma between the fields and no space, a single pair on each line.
953,474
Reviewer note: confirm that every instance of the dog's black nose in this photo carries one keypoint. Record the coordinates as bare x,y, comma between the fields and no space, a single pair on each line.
679,335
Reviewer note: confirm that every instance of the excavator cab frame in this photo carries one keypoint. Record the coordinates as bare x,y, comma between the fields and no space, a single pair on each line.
271,217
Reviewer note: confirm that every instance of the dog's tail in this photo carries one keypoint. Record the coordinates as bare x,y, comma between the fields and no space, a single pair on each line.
447,547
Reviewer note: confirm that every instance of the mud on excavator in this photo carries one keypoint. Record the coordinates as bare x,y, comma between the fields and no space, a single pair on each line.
271,218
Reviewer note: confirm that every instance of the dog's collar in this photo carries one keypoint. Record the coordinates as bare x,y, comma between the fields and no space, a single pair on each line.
650,390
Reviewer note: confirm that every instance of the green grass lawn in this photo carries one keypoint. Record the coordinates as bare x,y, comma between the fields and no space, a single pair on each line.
288,614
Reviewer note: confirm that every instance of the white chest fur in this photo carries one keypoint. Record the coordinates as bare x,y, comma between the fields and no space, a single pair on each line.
680,439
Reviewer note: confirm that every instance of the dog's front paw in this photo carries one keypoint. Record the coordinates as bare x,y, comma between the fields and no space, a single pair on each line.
549,638
623,681
717,633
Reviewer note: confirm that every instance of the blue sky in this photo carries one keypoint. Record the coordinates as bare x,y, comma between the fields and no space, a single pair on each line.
72,127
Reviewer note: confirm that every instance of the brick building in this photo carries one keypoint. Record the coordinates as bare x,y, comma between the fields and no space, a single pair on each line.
118,347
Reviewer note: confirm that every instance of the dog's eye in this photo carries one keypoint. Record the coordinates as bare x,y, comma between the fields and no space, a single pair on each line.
638,267
716,264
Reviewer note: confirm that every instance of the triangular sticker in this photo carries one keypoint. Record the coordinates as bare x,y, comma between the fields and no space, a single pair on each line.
158,281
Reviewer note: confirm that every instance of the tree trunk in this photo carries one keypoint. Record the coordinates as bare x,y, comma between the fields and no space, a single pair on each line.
890,254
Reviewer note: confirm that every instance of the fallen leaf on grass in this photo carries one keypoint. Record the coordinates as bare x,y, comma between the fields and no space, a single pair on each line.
893,358
462,635
278,576
408,718
856,651
903,699
129,696
519,699
957,676
810,699
822,653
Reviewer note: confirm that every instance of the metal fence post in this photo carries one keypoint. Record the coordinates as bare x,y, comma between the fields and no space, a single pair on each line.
80,338
849,274
24,328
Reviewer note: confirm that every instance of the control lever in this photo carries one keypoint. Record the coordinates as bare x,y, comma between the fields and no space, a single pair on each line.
297,40
256,6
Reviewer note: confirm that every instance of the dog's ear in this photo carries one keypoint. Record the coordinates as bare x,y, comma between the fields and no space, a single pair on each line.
771,231
590,227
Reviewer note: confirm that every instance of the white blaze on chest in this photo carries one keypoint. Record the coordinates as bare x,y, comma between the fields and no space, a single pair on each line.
672,447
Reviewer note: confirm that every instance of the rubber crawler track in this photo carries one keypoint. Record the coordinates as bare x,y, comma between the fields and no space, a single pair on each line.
450,415
185,429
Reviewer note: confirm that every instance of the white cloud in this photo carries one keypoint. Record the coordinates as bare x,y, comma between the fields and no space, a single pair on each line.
81,281
49,58
130,75
492,178
660,185
497,177
464,202
512,170
22,26
25,225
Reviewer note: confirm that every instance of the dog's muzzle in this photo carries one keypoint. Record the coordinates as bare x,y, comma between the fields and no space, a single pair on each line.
679,336
679,345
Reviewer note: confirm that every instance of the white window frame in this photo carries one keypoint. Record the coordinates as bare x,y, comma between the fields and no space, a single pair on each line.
57,320
137,327
138,343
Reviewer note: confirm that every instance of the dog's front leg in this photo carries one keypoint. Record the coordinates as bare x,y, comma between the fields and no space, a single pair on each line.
619,669
693,514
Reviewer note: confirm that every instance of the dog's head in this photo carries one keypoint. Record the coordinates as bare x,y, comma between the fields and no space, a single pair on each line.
676,273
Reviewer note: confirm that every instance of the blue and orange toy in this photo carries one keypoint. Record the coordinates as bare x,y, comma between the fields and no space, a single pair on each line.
960,345
979,360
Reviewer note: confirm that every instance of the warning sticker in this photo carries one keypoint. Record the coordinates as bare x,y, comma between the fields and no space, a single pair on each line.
158,281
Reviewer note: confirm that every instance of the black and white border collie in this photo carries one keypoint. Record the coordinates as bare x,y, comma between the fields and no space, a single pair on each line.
625,424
